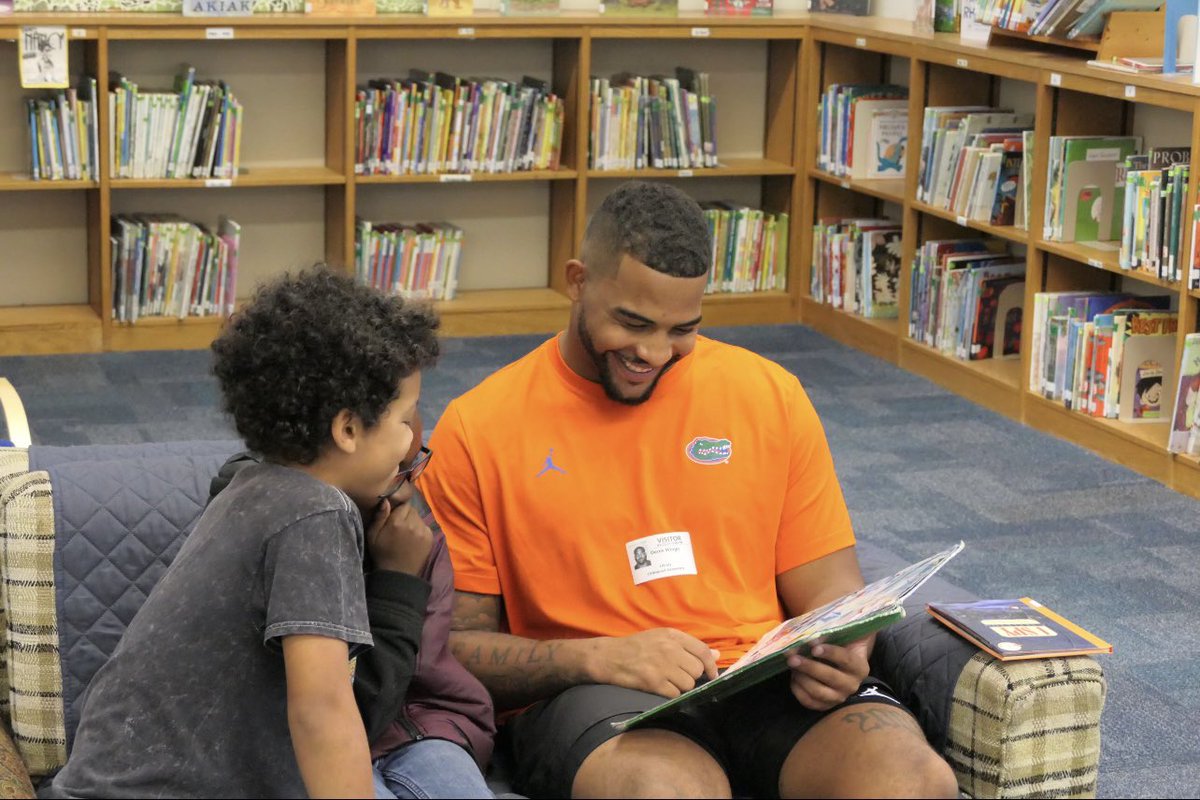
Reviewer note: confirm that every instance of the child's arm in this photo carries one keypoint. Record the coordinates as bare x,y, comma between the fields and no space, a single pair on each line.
327,732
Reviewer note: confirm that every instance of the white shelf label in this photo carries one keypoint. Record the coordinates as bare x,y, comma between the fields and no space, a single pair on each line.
1095,262
455,177
845,184
217,183
960,62
701,33
218,33
1130,90
466,31
78,33
961,221
861,41
685,173
1055,79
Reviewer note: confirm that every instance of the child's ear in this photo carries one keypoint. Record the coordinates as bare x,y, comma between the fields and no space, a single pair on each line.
345,430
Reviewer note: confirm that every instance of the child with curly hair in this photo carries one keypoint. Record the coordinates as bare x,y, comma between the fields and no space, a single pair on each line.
234,677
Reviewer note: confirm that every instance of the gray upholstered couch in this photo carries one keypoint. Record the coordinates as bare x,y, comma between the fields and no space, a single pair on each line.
86,531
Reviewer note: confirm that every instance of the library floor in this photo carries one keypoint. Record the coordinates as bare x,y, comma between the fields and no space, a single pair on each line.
921,468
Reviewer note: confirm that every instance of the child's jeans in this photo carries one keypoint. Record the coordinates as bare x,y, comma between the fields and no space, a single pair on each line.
430,768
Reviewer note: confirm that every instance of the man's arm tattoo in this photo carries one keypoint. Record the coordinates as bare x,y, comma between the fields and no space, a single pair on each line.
516,670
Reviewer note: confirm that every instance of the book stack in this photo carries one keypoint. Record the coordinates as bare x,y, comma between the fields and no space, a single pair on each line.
64,137
1065,19
418,261
967,299
657,122
1082,202
856,266
739,8
1154,215
1104,355
165,266
194,131
439,123
863,130
750,248
972,162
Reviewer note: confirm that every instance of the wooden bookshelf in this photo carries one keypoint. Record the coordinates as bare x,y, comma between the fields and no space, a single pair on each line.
300,74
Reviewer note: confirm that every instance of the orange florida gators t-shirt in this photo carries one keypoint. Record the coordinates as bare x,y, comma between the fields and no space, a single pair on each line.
594,518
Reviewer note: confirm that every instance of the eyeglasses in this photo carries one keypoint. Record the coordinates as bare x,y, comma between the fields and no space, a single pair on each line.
410,474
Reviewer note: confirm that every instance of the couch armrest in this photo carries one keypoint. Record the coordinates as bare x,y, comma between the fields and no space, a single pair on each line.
1008,729
14,778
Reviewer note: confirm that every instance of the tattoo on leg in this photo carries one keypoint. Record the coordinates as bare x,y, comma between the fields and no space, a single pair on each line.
878,719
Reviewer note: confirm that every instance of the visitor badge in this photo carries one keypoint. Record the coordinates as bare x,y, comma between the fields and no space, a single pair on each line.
663,555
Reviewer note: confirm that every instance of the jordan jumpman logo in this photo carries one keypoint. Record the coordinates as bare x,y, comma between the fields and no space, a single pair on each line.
550,465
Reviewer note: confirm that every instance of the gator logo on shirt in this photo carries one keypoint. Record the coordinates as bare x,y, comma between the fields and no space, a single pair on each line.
706,450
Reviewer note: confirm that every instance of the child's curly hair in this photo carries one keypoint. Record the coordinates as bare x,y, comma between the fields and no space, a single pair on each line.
309,345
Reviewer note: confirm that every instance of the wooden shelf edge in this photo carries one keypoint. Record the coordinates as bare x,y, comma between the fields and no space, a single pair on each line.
733,167
1142,448
880,338
1008,232
49,330
995,386
20,182
1104,260
891,190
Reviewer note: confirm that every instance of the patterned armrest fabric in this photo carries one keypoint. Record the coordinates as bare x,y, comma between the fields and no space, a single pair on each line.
1027,728
14,461
27,595
14,778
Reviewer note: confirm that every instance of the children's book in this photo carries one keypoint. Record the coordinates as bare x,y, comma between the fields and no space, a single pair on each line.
838,622
1016,630
450,8
1187,395
641,8
530,8
739,8
859,8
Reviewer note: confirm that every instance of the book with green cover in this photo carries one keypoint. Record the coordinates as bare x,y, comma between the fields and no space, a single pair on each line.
838,622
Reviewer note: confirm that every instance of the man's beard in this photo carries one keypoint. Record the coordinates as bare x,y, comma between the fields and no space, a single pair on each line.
607,381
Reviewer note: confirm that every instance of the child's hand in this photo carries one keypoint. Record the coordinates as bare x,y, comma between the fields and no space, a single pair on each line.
398,540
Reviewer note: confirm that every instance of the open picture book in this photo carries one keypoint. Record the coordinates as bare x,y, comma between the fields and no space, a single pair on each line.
838,622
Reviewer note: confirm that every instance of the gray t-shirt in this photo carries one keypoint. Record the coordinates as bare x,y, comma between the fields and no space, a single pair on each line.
193,702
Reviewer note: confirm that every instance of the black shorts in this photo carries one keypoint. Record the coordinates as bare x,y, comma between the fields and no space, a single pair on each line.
550,740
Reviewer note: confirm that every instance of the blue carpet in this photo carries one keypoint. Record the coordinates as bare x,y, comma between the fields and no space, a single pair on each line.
921,468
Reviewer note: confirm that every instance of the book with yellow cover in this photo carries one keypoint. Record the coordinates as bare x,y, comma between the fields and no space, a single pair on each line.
450,8
339,8
1015,630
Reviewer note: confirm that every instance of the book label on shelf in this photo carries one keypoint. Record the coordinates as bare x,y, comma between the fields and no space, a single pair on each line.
961,221
1130,90
218,8
218,183
455,177
701,33
466,30
79,33
1095,262
218,33
960,62
1056,79
845,184
860,41
685,173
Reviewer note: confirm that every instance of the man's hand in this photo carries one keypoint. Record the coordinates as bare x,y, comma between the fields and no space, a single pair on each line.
833,674
663,661
398,540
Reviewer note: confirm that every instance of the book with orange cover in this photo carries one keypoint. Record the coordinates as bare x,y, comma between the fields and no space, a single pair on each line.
1015,630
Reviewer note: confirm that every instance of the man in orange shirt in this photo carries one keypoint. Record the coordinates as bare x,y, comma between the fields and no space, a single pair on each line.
629,508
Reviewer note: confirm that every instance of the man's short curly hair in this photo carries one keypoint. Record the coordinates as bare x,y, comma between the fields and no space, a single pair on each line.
310,345
656,224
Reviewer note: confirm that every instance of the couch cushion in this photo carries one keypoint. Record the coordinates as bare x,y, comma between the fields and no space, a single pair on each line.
85,541
13,461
